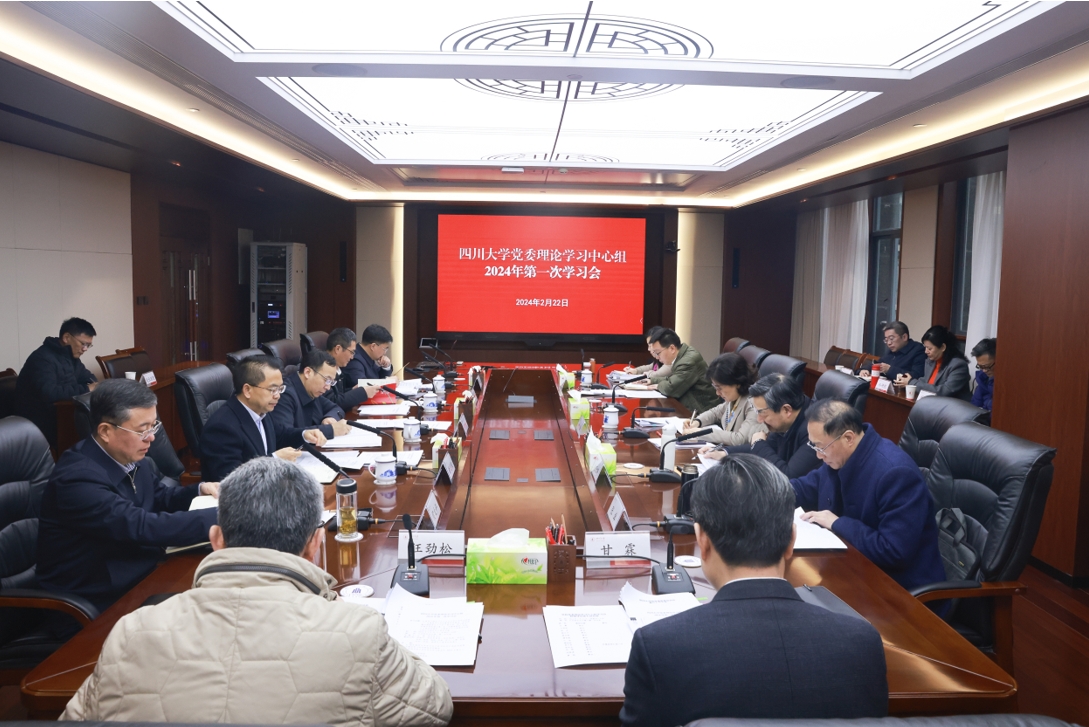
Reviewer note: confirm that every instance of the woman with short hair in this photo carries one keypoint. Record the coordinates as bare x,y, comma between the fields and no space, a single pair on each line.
735,419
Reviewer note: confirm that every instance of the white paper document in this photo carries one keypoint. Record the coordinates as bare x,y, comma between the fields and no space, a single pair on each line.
644,608
355,439
385,410
813,537
321,472
377,382
201,502
349,459
362,459
686,444
659,422
640,394
441,631
587,635
400,424
705,462
411,387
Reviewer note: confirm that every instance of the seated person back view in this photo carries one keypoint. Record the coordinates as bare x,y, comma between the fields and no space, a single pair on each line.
870,493
655,365
983,353
242,429
261,637
904,357
686,380
54,372
946,370
371,360
105,517
303,405
756,650
344,393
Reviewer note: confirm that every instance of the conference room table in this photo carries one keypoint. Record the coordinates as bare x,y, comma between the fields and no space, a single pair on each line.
931,669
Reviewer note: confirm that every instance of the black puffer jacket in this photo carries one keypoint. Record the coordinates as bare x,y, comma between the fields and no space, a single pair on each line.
50,374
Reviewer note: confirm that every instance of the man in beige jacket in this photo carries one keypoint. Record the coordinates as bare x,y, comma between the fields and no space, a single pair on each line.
261,638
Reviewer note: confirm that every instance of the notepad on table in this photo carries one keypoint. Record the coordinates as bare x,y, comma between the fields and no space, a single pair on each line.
581,635
354,439
645,608
441,631
385,410
813,537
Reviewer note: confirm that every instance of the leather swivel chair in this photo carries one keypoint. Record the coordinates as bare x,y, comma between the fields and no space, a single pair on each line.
778,364
141,361
289,352
1000,484
28,624
831,358
754,355
929,420
199,393
236,357
8,378
851,360
734,345
164,460
313,339
838,385
115,365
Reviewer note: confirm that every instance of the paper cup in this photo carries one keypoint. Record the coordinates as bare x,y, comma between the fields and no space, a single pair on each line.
909,391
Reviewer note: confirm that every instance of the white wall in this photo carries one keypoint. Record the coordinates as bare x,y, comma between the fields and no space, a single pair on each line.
65,250
700,237
919,236
379,272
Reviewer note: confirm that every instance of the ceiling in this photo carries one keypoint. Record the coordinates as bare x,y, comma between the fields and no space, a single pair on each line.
706,103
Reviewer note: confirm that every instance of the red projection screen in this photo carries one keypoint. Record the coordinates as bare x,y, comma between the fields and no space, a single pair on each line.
541,275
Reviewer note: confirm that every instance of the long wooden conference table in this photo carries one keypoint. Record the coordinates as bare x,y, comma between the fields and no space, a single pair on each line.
931,669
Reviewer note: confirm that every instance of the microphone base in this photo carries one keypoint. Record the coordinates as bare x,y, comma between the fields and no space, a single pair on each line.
673,580
657,475
680,525
414,580
633,433
619,407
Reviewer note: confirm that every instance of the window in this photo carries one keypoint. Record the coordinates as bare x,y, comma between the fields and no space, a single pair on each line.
884,277
962,257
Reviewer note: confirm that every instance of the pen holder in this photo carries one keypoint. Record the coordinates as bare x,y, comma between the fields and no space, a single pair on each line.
561,563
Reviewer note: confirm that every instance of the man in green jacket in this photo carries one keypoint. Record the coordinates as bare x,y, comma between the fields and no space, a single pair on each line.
686,377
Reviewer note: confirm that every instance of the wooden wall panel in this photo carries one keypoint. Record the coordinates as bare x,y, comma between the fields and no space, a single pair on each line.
1042,379
759,309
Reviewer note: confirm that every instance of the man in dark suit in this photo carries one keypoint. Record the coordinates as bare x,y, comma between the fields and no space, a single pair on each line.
54,372
303,405
344,393
241,429
756,650
904,356
105,517
371,359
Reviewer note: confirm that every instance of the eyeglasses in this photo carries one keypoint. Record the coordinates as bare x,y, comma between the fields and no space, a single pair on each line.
83,344
985,367
761,411
891,339
273,389
329,380
822,450
146,434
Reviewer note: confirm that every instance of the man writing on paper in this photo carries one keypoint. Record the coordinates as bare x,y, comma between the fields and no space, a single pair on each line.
261,637
303,405
241,429
655,365
756,650
870,493
905,357
687,378
344,392
54,372
105,516
371,360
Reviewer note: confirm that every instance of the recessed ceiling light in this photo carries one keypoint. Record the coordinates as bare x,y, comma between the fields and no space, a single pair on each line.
806,199
512,170
807,82
917,126
339,69
195,111
175,163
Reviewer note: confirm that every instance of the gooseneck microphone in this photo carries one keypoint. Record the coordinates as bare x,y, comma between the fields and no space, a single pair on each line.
411,577
623,409
633,432
402,467
667,579
662,474
399,395
307,446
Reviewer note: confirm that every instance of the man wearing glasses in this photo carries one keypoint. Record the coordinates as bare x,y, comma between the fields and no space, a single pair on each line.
869,492
983,353
242,429
54,372
105,515
905,356
303,404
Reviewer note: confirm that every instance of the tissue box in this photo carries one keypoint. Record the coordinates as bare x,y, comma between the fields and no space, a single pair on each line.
595,446
578,409
486,562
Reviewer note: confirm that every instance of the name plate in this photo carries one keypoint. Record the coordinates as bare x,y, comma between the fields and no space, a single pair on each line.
923,394
883,385
149,379
434,543
446,469
597,464
617,512
617,549
429,518
463,426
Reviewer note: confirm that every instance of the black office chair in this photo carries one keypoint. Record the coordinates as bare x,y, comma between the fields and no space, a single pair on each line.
164,460
313,339
734,345
28,624
199,393
289,352
754,355
778,364
838,385
1000,484
8,379
929,420
236,357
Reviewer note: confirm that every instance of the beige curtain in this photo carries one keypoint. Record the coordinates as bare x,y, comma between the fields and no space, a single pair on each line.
846,268
808,271
986,258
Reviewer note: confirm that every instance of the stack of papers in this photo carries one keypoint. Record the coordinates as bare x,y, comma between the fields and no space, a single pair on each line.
644,608
640,393
400,424
355,439
390,381
385,410
320,472
411,387
587,635
659,422
686,444
813,537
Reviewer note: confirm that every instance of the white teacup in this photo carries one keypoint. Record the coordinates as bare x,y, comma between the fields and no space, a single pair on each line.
909,391
384,469
438,383
411,430
612,417
430,403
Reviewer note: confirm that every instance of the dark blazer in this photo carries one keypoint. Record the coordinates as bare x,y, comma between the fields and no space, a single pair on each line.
952,380
231,438
983,395
297,412
363,366
344,392
884,508
50,374
908,360
789,450
755,650
97,537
